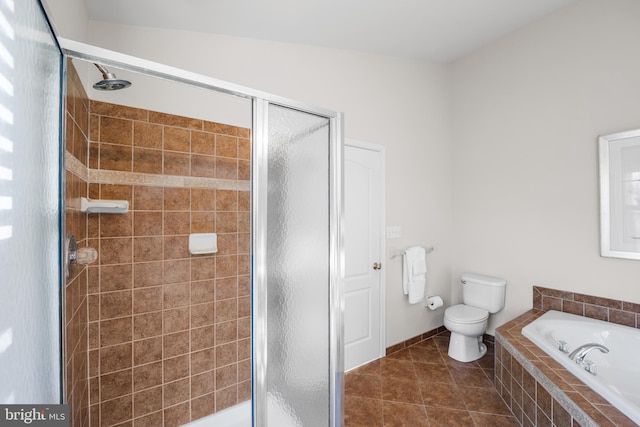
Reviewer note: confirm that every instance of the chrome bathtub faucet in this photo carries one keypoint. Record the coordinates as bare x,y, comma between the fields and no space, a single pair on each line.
581,352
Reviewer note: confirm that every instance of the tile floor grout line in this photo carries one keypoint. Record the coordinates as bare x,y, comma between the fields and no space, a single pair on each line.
393,408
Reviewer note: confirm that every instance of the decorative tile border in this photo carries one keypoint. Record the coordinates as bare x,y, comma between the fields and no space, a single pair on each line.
75,166
94,176
615,311
136,178
539,390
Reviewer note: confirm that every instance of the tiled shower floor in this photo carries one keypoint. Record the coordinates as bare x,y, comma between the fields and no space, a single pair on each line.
422,386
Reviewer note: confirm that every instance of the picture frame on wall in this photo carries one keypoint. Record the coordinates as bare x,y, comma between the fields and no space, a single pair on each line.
619,155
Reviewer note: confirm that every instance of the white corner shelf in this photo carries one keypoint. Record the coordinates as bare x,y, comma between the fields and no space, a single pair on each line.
104,206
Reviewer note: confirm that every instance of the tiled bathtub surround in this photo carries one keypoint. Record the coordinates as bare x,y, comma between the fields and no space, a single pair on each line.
168,332
540,391
609,310
76,391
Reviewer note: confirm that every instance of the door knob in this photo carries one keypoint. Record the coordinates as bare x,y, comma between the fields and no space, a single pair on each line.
377,266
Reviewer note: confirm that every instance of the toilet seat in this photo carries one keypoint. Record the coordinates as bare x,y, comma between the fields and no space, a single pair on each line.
466,314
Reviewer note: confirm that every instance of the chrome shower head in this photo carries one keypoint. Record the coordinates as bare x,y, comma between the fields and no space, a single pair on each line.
110,81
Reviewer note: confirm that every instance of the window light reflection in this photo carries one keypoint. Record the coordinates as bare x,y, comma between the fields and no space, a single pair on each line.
6,115
6,27
6,203
6,174
6,338
6,231
10,5
6,145
6,85
6,57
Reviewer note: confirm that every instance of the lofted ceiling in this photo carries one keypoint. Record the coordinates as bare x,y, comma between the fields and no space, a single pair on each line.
437,30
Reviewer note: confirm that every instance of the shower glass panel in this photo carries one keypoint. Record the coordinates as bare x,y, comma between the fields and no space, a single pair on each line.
30,75
298,265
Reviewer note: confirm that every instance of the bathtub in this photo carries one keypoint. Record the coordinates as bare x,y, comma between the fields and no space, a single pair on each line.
235,416
618,372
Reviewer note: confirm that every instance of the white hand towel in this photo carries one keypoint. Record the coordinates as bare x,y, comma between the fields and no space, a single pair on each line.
414,269
416,290
419,266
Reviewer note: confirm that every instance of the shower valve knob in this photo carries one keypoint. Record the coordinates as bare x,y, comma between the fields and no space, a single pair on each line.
562,346
74,255
86,256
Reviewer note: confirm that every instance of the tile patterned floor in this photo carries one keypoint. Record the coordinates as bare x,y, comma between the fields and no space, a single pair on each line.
422,386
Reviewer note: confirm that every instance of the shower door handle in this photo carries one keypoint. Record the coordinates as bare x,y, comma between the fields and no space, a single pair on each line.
377,266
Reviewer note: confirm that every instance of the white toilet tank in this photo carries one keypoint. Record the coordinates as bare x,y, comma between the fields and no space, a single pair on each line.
483,292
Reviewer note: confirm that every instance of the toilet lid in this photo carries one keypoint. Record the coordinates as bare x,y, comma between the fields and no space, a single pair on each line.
466,314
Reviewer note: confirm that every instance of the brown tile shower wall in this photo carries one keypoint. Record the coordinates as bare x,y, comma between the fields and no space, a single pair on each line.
609,310
169,333
76,393
133,140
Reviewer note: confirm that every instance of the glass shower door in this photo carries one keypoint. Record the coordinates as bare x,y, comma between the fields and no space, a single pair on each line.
296,298
30,76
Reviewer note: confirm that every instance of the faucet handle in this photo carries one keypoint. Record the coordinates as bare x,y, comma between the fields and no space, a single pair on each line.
589,366
562,346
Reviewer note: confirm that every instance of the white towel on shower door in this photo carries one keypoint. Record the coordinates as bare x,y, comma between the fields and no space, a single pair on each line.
414,271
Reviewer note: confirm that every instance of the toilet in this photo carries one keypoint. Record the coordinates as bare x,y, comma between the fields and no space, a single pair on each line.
481,295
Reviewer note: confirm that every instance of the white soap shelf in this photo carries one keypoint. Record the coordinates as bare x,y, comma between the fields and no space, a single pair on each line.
104,206
203,243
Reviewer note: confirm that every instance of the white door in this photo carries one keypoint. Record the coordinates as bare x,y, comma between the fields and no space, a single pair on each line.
363,238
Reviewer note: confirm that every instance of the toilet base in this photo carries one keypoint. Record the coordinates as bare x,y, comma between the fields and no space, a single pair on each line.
466,349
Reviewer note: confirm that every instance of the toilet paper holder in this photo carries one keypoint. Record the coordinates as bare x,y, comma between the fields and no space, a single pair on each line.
434,302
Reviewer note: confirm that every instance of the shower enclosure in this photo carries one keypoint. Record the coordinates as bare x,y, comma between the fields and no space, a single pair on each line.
293,211
296,360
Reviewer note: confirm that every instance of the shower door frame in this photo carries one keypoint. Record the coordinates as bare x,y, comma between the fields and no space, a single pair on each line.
260,265
260,104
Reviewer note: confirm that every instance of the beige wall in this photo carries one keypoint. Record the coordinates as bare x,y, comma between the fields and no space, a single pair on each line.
527,112
69,18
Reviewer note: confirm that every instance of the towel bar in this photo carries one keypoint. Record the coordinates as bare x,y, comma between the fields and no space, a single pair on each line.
397,253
